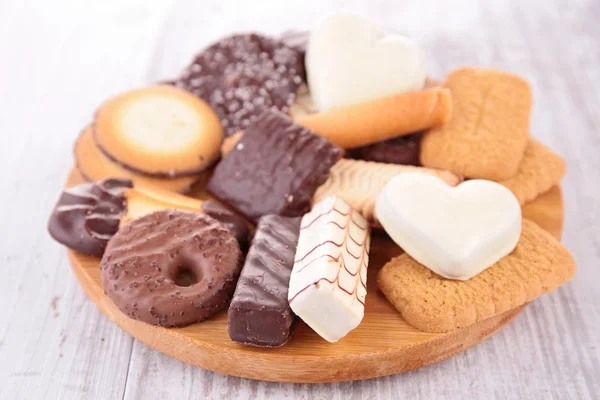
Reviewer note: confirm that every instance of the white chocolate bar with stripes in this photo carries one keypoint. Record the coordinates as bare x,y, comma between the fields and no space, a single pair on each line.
328,284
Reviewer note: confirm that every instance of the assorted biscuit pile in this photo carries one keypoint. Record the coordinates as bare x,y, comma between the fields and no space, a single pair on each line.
306,143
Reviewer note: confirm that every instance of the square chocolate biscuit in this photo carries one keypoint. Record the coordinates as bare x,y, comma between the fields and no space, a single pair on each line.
274,169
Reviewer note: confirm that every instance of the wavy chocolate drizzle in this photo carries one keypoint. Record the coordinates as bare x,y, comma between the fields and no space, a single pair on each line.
351,220
88,215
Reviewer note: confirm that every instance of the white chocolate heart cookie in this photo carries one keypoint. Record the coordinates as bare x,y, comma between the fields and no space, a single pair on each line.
351,60
457,232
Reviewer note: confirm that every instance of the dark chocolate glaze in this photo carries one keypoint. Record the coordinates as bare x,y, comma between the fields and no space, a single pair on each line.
403,150
171,268
232,221
296,40
274,169
86,216
260,314
240,76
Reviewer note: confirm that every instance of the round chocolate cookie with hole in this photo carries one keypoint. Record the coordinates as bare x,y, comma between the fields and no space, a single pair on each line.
240,76
171,268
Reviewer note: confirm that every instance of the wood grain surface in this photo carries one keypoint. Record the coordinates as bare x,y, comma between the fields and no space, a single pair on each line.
59,59
383,344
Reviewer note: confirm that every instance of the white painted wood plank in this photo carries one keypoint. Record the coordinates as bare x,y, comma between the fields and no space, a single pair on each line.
57,64
91,51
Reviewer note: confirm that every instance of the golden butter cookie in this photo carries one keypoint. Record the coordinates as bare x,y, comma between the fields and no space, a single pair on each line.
160,130
487,133
540,169
538,265
95,166
360,182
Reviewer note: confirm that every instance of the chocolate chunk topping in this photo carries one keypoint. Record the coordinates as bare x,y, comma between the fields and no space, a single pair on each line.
242,75
171,268
88,215
274,169
403,150
236,224
259,313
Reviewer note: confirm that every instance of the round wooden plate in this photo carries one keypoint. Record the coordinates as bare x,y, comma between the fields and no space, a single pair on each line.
383,344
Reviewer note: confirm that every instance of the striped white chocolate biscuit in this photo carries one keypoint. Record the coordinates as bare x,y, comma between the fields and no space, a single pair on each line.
328,284
360,182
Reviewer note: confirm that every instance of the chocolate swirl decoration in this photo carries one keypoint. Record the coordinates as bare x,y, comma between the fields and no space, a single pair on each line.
347,250
88,215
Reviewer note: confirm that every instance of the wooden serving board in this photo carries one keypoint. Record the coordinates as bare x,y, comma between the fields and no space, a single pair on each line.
383,344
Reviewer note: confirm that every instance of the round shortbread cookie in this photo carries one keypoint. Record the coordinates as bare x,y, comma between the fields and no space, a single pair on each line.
94,166
160,130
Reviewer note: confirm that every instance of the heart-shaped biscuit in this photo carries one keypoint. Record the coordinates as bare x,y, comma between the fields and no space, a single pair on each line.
351,60
457,232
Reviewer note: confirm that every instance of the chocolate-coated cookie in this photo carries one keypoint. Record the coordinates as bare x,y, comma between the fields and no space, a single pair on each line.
296,40
242,75
88,215
171,268
403,150
275,168
230,220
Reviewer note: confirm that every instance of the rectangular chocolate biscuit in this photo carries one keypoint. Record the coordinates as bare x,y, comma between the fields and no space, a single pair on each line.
274,169
260,314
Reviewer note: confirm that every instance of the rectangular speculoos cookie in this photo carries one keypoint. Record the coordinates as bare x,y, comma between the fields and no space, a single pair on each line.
431,303
274,169
540,169
260,314
487,133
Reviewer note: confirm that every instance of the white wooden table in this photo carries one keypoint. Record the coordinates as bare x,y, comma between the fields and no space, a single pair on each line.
59,59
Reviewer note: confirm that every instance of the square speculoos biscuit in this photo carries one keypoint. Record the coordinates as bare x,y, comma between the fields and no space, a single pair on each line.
488,130
274,169
538,265
539,171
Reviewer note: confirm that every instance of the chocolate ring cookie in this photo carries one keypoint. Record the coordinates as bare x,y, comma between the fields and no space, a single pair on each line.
243,75
86,216
171,268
